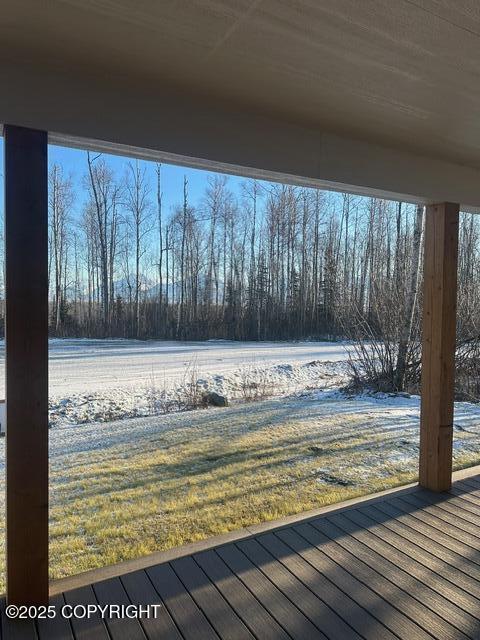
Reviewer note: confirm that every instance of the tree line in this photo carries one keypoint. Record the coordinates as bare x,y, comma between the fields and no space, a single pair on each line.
270,262
266,261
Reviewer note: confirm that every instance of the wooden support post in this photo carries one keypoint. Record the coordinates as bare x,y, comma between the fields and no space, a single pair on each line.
438,347
26,318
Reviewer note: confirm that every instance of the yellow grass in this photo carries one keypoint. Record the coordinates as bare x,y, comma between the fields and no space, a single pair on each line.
231,468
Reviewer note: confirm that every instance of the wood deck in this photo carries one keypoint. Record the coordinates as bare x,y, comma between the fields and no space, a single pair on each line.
404,565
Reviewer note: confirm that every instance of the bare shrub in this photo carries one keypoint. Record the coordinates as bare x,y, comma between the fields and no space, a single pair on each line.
255,384
155,397
186,396
191,391
386,330
467,371
467,356
374,361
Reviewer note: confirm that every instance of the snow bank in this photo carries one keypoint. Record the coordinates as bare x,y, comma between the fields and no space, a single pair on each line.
155,396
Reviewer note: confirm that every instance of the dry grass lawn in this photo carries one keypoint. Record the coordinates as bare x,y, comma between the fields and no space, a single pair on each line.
209,472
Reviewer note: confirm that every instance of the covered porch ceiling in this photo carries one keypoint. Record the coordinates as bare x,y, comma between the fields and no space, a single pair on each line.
378,96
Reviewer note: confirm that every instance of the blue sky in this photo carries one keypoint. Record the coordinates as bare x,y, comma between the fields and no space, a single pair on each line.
74,163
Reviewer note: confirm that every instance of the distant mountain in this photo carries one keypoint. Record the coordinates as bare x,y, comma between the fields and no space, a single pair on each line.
149,289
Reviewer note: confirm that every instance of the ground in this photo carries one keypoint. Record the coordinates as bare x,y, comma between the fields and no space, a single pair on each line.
133,486
104,380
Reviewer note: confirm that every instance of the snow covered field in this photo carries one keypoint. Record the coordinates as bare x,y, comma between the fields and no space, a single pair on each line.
387,426
84,365
104,380
105,393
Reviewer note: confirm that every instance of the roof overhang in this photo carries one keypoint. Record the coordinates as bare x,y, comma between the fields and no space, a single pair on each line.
66,69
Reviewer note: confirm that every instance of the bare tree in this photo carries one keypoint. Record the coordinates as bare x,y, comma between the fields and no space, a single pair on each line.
139,218
103,211
60,202
410,307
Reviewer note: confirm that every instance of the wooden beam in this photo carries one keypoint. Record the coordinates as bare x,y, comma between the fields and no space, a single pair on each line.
438,347
172,126
26,318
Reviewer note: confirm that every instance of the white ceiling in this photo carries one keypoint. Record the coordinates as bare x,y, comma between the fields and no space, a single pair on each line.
404,74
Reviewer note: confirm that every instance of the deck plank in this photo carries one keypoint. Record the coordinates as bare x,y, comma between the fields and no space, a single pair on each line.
387,593
188,617
57,628
318,598
463,504
401,537
457,499
439,542
466,493
472,484
219,613
91,628
258,620
456,560
140,590
297,625
447,616
395,551
455,502
472,481
442,519
112,592
394,620
16,629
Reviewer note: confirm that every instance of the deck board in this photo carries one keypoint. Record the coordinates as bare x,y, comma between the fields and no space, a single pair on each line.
434,532
468,509
113,592
380,594
459,500
466,492
473,481
17,629
456,560
425,573
190,620
449,617
221,616
303,598
454,525
415,550
405,565
87,626
292,619
257,618
57,628
140,590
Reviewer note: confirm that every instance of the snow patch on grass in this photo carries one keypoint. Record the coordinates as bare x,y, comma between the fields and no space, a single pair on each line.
129,487
157,396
